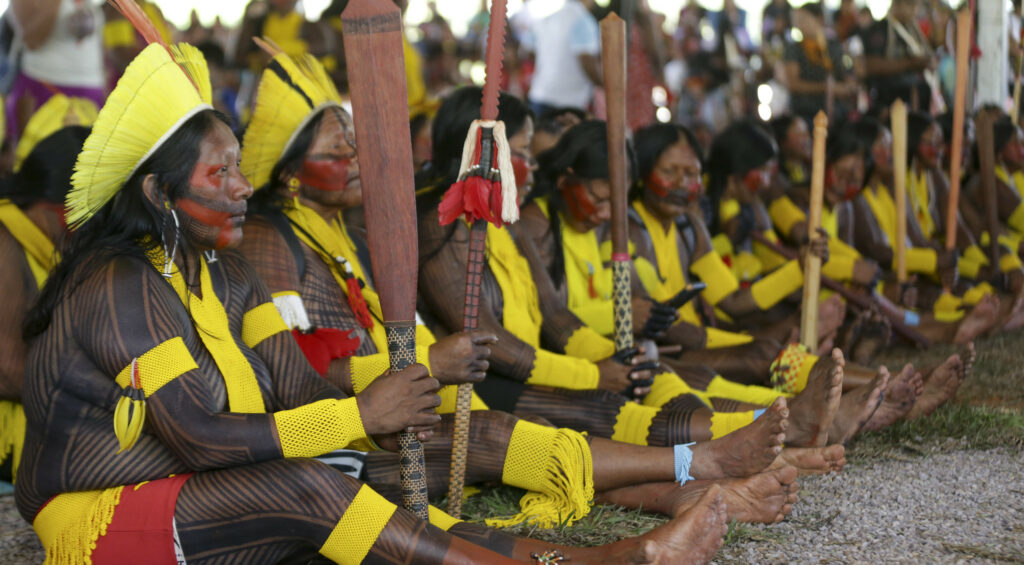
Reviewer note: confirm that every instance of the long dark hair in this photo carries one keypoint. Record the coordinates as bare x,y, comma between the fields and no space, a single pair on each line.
129,225
448,135
917,124
584,149
867,131
650,142
45,175
738,149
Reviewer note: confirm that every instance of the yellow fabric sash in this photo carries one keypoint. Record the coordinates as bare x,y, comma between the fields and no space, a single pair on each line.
331,240
584,267
521,313
666,252
214,330
919,259
1016,220
920,200
38,248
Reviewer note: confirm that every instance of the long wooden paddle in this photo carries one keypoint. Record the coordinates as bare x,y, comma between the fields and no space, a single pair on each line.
1015,111
963,47
613,61
898,116
812,264
376,71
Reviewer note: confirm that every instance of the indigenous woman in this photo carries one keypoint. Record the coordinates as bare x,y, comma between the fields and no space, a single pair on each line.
166,396
794,141
546,362
294,243
31,222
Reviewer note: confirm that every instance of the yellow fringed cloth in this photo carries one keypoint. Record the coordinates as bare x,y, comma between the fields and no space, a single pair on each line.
522,317
556,466
1016,183
12,434
69,525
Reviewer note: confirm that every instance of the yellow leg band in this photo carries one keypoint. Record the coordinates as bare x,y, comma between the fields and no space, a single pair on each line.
556,466
359,527
441,519
587,344
947,308
12,434
839,267
724,423
720,387
776,286
667,386
563,371
634,423
716,275
790,370
721,338
977,292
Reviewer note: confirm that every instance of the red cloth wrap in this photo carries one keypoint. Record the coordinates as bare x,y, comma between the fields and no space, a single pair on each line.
142,530
323,345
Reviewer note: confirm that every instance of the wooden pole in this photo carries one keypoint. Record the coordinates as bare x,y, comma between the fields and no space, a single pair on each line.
963,45
1015,111
812,264
477,254
987,166
898,116
373,45
613,60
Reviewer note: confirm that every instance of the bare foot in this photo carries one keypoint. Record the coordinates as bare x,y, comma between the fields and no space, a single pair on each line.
940,386
857,407
831,313
1016,316
900,396
812,460
980,319
812,410
745,451
765,498
693,537
875,335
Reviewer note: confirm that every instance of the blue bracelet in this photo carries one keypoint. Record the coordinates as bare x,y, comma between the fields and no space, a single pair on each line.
684,457
911,318
758,412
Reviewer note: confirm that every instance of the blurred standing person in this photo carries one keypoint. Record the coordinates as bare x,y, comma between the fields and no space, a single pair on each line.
281,22
567,47
63,53
121,43
811,62
898,58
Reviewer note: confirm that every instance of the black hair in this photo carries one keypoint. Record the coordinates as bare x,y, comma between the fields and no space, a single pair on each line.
213,53
867,131
128,225
45,174
813,8
549,121
584,149
843,140
1003,130
650,142
917,124
738,149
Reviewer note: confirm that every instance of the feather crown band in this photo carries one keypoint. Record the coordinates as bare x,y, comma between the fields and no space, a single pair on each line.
161,89
292,92
58,112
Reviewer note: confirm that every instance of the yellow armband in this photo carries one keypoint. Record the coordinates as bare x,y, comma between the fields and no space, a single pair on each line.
667,386
556,466
633,423
947,308
359,527
839,267
563,371
728,210
260,323
713,272
717,339
364,369
785,215
777,285
587,344
920,260
972,260
722,245
321,427
159,366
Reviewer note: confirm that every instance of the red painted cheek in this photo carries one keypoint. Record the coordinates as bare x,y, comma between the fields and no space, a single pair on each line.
851,191
205,177
579,203
755,180
521,169
325,175
693,191
660,186
217,219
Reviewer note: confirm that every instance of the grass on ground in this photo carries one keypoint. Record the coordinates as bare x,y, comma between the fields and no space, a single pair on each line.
987,413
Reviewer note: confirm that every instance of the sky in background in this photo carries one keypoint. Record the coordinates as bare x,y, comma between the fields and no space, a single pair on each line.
457,12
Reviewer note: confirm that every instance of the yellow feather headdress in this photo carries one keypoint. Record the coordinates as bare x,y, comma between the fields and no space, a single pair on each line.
58,112
160,90
291,93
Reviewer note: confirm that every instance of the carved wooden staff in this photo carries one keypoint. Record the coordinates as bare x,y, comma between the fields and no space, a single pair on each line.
861,301
613,62
485,192
373,43
812,264
987,166
898,116
963,46
1015,112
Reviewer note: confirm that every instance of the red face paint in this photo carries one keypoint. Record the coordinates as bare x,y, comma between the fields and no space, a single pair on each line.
658,185
579,202
223,221
59,211
756,179
851,192
930,153
521,169
325,175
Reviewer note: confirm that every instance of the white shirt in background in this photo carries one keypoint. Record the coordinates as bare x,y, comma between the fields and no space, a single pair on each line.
557,41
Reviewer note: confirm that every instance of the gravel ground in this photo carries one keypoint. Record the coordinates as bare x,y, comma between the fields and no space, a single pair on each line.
959,507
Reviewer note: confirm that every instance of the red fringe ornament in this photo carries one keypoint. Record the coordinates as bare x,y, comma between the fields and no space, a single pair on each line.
323,345
358,303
